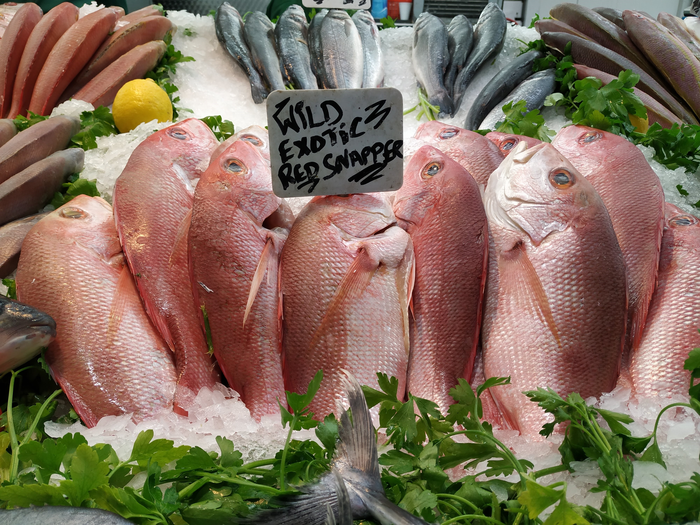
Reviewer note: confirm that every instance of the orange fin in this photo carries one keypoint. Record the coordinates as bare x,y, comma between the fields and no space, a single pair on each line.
124,286
181,239
267,261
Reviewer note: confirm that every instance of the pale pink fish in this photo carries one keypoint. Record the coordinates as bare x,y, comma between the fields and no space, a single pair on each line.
256,135
507,141
107,356
556,298
346,278
238,229
671,330
440,206
152,207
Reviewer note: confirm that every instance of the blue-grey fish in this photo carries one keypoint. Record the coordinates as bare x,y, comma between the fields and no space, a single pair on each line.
315,50
259,34
489,32
62,515
229,31
460,37
24,331
372,48
11,236
343,60
291,34
430,59
533,90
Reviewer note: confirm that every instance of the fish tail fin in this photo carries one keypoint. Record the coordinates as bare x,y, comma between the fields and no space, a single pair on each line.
443,100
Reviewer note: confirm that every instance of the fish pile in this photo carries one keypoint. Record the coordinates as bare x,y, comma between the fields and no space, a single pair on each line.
47,59
665,53
334,51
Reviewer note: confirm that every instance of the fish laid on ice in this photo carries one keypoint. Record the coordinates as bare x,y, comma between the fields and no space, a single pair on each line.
460,37
112,361
556,298
623,178
373,61
259,34
11,236
430,59
291,33
62,515
24,331
671,330
439,205
343,60
235,239
507,141
229,31
152,210
346,283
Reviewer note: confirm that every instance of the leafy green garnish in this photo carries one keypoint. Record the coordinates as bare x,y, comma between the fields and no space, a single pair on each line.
519,121
22,123
93,124
188,32
11,288
165,70
387,23
74,187
223,129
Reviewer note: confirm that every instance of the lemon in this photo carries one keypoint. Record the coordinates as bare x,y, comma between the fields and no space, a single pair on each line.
140,101
640,124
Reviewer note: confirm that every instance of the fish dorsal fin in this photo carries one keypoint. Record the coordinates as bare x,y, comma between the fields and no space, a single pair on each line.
181,238
267,261
125,285
523,285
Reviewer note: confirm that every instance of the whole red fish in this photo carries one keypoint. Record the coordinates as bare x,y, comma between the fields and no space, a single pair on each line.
345,279
234,251
671,330
108,357
555,307
623,178
152,208
439,205
507,141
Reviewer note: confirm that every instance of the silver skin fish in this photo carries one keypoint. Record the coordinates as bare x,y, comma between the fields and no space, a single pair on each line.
430,59
24,331
489,32
229,31
259,34
499,86
343,60
291,34
315,49
373,75
62,515
460,38
533,90
353,488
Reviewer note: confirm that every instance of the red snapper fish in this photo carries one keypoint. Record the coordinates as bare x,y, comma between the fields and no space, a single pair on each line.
507,141
556,298
238,229
440,206
107,356
346,278
152,208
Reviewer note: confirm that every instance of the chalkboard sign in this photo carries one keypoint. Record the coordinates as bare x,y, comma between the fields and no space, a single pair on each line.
335,141
337,4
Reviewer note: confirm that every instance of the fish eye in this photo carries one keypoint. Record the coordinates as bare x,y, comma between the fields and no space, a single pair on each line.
431,170
561,179
507,144
448,133
235,166
590,136
255,141
178,133
73,213
683,220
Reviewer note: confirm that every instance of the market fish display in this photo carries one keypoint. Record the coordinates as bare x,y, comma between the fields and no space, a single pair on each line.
259,34
345,282
460,37
291,32
555,305
235,241
112,361
373,59
430,60
623,178
152,209
11,236
24,332
343,56
671,329
439,205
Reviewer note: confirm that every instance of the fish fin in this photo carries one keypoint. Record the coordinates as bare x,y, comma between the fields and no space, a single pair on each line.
181,238
267,258
528,289
124,285
411,286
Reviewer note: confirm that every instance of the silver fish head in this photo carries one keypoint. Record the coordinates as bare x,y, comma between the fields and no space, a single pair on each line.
24,331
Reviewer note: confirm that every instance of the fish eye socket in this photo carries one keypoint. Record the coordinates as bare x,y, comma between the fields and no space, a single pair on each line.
178,133
255,141
561,179
73,213
507,144
448,133
683,220
431,170
235,166
589,136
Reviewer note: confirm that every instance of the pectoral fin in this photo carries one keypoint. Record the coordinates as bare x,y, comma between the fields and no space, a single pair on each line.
268,260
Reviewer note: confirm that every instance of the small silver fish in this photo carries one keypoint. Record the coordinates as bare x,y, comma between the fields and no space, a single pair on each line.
291,34
373,75
259,34
24,331
343,60
430,59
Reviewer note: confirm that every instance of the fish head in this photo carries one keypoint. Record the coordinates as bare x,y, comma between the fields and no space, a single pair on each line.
507,141
189,143
24,331
255,135
455,141
588,148
355,216
537,191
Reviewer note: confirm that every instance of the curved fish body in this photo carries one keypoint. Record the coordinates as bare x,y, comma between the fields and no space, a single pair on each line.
507,141
113,361
343,60
346,284
11,237
291,33
505,81
533,90
489,32
259,34
373,59
550,25
596,56
439,205
7,130
614,15
676,26
477,154
24,331
555,306
430,59
623,178
315,49
235,265
460,37
62,515
152,210
671,330
229,31
669,54
656,112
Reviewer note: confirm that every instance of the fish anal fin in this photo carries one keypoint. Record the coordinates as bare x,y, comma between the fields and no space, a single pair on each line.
268,260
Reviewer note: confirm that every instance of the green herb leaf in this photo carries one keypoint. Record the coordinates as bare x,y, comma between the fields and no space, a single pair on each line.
87,473
11,288
222,129
653,454
537,498
300,402
564,514
38,495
